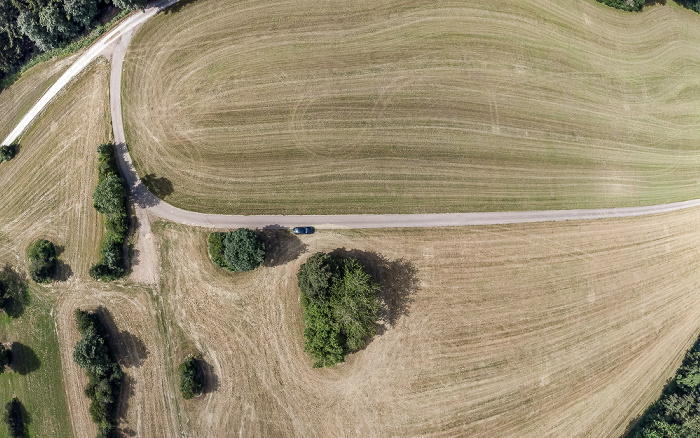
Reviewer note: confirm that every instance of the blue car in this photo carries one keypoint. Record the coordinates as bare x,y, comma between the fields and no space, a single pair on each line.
303,230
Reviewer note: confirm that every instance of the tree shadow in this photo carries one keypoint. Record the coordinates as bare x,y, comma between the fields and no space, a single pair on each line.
129,349
63,270
161,187
282,246
177,7
398,281
655,2
23,360
127,391
16,293
211,380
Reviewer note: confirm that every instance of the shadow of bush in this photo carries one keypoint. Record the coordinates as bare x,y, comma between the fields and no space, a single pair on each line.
23,360
282,247
16,292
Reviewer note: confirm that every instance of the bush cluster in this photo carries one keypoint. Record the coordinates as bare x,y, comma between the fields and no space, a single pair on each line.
109,199
13,418
191,377
240,250
94,355
42,260
340,306
7,152
627,5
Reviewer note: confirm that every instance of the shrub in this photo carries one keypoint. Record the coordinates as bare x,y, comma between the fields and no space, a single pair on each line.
14,419
110,195
7,152
42,261
243,250
340,307
191,377
215,245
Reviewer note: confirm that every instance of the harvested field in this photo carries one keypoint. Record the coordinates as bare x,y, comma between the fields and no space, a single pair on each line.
47,192
412,106
538,330
16,100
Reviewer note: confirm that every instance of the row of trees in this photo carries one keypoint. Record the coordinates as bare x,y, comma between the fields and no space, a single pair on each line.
240,250
109,198
677,412
636,5
29,26
340,306
94,355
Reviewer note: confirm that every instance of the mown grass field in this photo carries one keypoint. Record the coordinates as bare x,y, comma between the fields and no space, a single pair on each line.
16,100
409,106
542,330
47,193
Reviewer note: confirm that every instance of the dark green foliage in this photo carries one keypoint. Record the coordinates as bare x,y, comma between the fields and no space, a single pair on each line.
95,356
677,412
690,4
317,275
110,195
627,5
110,199
243,250
131,5
7,152
191,377
14,419
340,306
215,244
42,261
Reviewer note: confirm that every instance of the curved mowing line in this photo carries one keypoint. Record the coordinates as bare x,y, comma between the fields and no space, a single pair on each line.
145,200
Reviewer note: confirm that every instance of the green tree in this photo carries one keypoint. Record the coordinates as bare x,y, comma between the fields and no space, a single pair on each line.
355,305
28,23
92,354
316,276
215,245
131,5
13,418
244,250
110,195
191,377
42,260
81,11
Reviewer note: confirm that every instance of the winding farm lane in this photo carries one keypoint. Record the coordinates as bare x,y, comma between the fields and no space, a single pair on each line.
147,203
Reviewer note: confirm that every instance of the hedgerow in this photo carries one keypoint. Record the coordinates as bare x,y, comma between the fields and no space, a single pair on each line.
110,199
94,354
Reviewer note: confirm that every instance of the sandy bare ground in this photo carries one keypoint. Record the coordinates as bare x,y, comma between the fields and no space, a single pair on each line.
531,330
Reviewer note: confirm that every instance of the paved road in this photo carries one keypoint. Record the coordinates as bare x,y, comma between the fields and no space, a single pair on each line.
146,202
